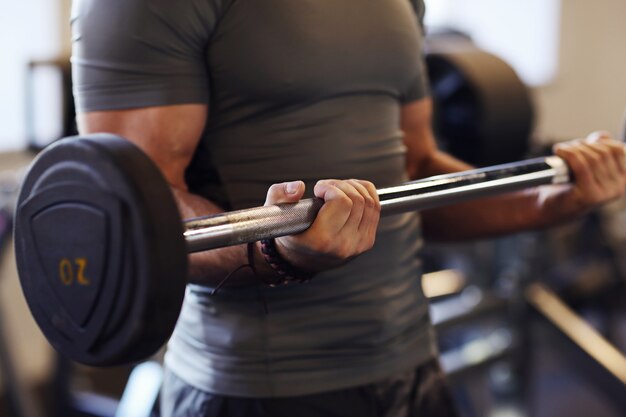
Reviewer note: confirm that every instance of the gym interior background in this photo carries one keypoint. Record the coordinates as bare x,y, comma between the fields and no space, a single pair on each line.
505,352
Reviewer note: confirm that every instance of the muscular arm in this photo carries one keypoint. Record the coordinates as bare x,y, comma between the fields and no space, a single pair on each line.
136,64
528,209
169,135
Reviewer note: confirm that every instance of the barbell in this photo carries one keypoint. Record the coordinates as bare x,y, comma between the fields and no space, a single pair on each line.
102,253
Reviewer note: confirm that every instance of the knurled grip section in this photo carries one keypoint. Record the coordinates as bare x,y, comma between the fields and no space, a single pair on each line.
250,225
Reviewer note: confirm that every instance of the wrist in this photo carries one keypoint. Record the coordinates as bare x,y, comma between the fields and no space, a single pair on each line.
284,272
559,204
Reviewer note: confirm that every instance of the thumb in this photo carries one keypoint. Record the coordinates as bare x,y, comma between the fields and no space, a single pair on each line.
598,136
285,192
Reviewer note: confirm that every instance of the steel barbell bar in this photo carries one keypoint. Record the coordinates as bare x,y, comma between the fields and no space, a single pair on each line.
249,225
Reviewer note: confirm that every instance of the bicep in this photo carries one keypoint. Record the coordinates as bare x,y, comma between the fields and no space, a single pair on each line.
140,53
139,71
169,135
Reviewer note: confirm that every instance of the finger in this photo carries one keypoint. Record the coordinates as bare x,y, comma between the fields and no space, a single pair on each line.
358,206
583,176
336,209
618,148
372,191
285,192
367,225
612,160
371,215
599,135
592,156
613,168
619,154
600,160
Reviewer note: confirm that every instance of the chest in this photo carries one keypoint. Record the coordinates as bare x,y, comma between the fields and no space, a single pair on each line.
303,49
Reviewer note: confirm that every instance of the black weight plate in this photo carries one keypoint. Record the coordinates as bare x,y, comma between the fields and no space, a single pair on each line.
100,250
483,112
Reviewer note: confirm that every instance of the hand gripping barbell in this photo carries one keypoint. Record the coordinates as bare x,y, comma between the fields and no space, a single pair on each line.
102,254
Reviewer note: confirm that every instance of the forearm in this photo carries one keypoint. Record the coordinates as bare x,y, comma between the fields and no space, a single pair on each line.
344,228
597,163
490,217
486,217
212,266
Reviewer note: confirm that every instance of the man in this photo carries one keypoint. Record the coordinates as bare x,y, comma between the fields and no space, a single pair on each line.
231,96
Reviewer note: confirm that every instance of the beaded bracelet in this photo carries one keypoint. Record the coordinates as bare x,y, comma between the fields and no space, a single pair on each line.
287,272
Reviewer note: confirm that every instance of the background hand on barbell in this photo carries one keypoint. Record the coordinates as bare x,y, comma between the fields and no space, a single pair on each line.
344,228
597,162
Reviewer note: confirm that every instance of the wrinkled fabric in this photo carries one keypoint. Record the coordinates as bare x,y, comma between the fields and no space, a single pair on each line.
304,89
422,392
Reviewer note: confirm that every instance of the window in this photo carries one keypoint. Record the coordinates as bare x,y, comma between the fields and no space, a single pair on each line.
29,30
525,33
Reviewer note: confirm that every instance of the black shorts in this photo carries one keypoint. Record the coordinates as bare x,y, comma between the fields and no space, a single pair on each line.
423,392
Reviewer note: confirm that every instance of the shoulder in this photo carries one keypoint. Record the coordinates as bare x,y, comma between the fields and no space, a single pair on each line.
188,18
138,53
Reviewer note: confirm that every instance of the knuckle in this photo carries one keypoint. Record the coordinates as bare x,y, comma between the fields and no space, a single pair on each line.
598,135
371,188
358,200
595,158
325,184
345,200
593,149
605,150
275,189
273,193
368,184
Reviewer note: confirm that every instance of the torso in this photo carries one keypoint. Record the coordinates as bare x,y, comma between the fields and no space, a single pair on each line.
307,90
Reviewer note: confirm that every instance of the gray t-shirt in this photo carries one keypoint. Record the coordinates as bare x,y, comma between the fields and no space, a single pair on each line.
304,89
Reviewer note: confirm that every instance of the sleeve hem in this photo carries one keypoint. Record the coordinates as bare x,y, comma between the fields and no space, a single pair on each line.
87,101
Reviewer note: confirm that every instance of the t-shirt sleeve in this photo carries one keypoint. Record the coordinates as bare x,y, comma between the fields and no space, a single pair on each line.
140,53
419,86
